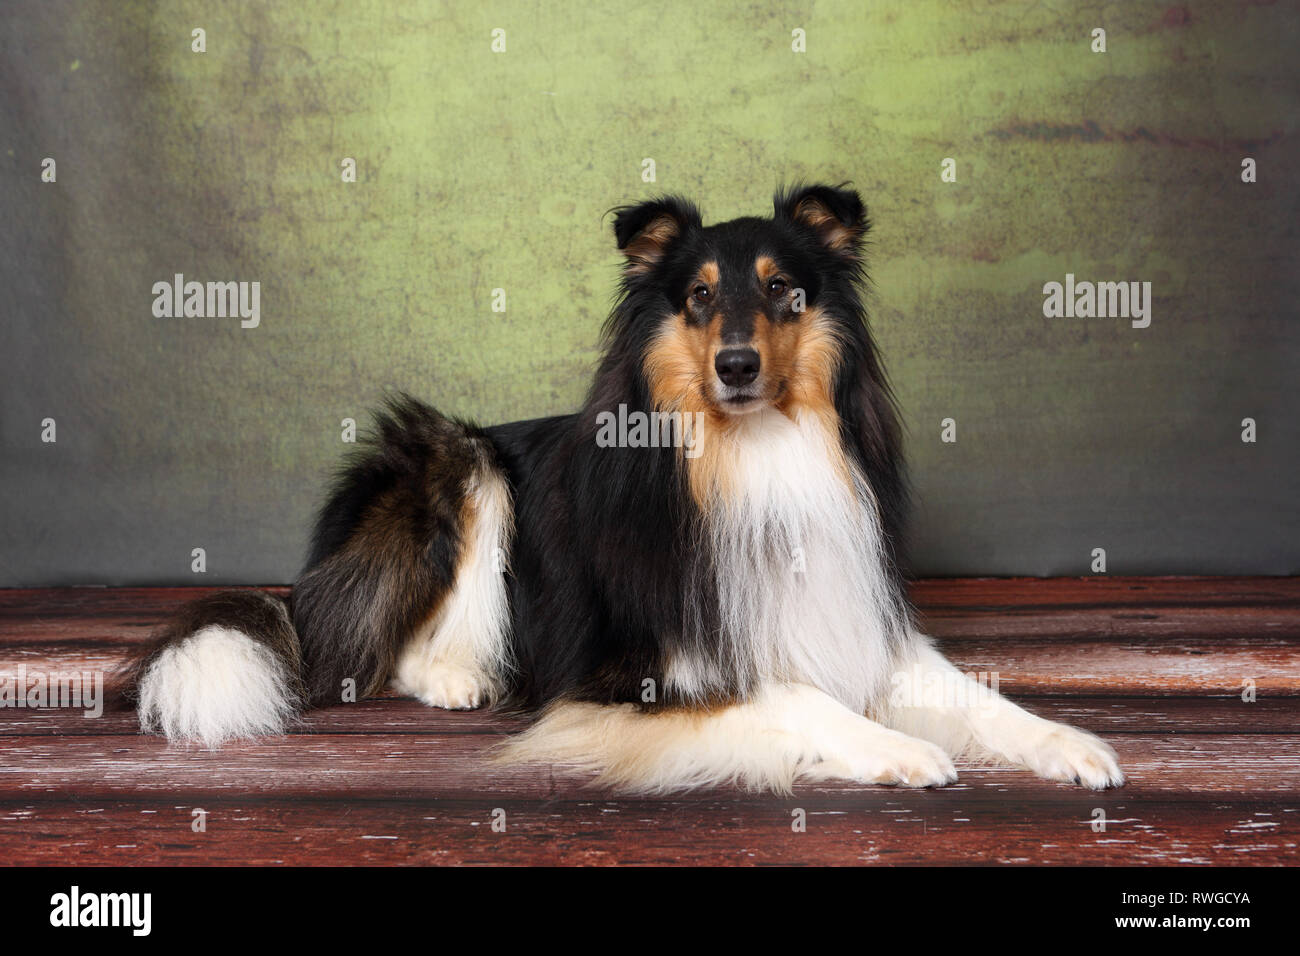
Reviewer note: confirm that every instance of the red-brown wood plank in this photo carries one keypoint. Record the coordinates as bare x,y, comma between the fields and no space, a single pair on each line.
399,715
455,765
900,829
973,594
1121,668
1099,591
1133,667
1142,667
149,603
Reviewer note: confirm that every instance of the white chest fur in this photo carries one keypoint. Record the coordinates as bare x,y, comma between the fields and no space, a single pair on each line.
802,588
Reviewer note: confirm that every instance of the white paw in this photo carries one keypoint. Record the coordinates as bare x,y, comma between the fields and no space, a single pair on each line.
449,686
1071,755
896,760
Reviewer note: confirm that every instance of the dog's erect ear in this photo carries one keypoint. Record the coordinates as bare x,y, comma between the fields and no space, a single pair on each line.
645,231
834,213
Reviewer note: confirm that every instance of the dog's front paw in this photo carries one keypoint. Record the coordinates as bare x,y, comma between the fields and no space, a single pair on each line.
898,760
1071,755
449,686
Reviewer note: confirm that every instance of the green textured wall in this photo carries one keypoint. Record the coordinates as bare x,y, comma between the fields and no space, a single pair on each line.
479,170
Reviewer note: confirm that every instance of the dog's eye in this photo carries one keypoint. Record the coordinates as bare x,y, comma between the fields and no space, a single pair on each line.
776,287
701,293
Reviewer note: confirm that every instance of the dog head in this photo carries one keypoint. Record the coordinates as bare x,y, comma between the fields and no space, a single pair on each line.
746,314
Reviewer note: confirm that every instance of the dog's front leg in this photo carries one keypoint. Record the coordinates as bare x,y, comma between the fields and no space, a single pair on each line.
843,745
782,734
933,700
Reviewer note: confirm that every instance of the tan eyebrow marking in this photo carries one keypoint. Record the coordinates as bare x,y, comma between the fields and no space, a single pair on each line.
709,273
765,267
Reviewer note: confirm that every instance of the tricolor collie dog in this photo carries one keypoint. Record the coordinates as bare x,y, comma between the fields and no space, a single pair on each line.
693,581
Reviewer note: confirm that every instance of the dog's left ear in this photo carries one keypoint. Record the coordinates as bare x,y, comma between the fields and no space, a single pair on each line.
645,231
837,215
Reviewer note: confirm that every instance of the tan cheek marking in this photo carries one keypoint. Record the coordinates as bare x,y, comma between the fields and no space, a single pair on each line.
779,341
672,364
680,358
806,355
814,358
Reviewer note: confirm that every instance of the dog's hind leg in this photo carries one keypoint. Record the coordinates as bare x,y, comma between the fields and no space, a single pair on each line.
933,700
405,582
459,656
406,579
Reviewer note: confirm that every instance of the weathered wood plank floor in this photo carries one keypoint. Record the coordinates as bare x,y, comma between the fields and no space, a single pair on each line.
1156,665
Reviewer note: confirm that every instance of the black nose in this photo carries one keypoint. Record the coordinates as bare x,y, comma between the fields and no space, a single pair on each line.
737,367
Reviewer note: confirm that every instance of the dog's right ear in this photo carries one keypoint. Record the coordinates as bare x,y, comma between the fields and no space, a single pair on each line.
645,231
